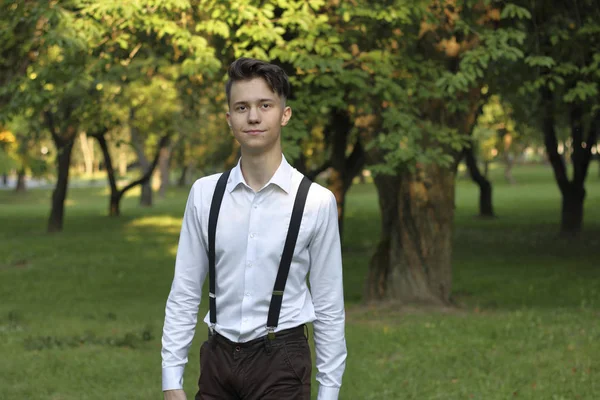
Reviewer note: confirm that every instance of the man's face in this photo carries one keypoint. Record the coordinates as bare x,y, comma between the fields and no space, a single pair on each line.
256,115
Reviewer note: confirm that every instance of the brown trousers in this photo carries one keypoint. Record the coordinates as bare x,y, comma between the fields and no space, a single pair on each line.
260,369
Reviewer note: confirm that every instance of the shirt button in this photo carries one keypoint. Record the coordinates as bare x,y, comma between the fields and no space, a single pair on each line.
252,235
255,206
249,265
247,294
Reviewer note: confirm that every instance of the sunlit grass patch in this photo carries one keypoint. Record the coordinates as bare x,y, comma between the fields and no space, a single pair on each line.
163,221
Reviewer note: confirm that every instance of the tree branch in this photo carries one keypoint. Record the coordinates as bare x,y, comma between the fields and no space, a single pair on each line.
355,163
164,141
558,164
472,165
312,175
49,117
108,161
468,150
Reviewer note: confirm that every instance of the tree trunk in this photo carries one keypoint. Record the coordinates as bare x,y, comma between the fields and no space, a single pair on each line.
573,191
380,267
5,179
146,196
185,166
571,222
412,263
20,188
485,187
115,195
336,184
88,158
122,163
164,159
183,177
92,154
64,150
138,145
343,169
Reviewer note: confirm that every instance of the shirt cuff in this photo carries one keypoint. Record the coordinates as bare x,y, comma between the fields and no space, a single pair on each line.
328,393
172,378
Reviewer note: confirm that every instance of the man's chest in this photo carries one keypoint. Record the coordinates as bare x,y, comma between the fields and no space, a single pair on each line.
255,226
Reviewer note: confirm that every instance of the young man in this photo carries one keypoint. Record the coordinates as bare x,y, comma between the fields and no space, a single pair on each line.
245,357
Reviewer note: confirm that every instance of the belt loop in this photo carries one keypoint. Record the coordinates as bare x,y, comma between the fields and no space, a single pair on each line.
267,345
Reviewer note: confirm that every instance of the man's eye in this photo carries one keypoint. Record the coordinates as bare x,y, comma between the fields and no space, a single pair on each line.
241,108
266,105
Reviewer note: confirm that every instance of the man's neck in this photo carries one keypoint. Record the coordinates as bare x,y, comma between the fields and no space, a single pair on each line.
258,169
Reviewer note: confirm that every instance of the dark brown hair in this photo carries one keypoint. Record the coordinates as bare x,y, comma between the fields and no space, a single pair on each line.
244,69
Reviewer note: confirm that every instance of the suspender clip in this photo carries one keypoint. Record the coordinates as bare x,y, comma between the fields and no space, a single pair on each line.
271,332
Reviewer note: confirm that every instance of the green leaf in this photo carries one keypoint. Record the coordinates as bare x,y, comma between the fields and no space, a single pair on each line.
514,11
540,61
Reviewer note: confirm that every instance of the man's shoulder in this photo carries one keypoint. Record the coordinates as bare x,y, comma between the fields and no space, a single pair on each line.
206,185
209,180
319,191
318,195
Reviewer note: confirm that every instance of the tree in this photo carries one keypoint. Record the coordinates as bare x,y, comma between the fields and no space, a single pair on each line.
46,74
59,58
7,150
446,54
27,147
116,194
486,208
561,75
145,51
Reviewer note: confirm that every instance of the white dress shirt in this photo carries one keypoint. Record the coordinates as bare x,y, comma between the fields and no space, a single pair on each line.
251,231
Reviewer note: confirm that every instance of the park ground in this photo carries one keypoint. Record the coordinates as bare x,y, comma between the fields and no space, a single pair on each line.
81,311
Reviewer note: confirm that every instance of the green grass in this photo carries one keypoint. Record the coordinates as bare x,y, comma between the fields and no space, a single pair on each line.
81,312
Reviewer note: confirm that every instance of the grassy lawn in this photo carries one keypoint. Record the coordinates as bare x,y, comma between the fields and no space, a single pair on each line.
81,312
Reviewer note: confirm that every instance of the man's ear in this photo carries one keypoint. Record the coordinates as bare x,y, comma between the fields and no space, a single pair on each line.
287,114
228,116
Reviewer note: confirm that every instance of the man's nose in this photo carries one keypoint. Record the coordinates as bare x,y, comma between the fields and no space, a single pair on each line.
253,115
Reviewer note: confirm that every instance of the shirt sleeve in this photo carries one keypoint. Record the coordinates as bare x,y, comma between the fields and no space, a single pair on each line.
328,299
181,312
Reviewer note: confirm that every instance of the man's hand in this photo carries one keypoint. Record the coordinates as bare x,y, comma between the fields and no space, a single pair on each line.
178,394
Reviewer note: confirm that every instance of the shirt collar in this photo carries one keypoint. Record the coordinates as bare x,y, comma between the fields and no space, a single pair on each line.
281,178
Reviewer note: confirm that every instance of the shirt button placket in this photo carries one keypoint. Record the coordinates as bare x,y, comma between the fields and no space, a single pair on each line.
251,251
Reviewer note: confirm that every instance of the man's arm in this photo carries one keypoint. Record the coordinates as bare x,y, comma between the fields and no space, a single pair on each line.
191,266
328,299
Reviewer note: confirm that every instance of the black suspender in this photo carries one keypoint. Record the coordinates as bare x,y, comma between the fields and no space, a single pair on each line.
215,206
286,257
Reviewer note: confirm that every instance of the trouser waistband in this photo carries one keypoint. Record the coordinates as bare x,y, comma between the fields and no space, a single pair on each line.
286,334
